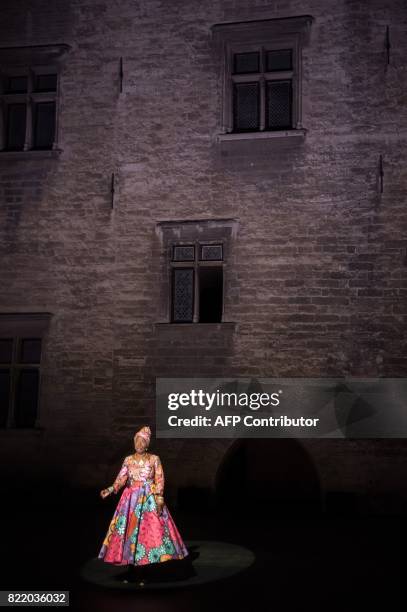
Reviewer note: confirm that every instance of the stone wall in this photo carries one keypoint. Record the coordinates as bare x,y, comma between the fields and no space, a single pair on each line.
317,283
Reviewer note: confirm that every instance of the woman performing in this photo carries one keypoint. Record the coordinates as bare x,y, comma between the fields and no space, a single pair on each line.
142,531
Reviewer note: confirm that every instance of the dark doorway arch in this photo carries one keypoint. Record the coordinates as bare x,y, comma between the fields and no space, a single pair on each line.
278,475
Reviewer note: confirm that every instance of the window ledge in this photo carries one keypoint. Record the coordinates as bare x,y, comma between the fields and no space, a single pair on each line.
32,154
296,133
220,325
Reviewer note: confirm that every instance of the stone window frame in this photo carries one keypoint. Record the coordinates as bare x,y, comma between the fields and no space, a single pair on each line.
273,34
30,61
188,232
23,326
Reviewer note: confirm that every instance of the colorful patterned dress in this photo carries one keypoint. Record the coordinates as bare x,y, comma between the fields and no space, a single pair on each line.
137,533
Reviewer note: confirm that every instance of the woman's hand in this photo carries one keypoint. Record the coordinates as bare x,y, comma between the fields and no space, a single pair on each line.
160,504
104,493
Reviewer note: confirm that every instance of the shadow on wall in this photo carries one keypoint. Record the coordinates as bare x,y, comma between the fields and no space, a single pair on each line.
275,475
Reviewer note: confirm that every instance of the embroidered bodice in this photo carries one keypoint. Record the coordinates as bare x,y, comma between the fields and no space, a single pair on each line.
134,470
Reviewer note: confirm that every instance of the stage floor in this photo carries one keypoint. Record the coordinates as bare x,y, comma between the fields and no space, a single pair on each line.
308,563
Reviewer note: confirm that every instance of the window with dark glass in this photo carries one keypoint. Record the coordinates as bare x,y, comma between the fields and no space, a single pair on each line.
28,103
15,84
246,106
44,125
278,104
244,63
45,82
19,381
262,90
183,295
260,69
197,283
16,126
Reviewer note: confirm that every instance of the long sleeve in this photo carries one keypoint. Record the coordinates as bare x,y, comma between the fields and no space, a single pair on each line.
158,477
121,477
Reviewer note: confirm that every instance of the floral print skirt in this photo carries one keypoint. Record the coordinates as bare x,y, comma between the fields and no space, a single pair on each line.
137,534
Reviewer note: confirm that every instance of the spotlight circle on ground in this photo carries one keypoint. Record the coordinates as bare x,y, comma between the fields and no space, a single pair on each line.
214,561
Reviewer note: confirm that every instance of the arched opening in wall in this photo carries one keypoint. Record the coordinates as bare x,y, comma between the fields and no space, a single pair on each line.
274,475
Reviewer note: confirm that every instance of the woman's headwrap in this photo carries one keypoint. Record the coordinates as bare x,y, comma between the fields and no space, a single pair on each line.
144,432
